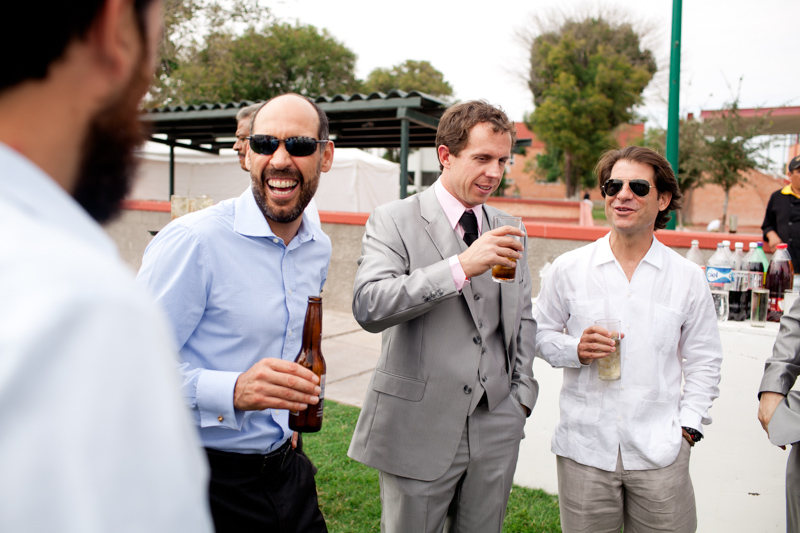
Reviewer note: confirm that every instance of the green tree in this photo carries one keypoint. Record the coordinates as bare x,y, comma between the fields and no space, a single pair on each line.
691,161
408,76
586,76
261,64
187,25
732,149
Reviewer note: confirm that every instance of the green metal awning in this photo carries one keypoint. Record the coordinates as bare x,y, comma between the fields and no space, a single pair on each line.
396,119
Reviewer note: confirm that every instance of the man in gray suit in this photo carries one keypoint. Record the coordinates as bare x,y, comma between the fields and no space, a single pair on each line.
779,407
444,413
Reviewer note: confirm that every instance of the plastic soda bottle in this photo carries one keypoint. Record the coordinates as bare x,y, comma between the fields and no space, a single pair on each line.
718,275
695,255
763,258
739,294
780,277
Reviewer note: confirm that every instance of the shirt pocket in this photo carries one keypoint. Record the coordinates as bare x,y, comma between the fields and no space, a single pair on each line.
666,330
584,313
399,386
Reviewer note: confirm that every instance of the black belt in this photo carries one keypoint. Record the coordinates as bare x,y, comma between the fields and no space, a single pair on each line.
250,462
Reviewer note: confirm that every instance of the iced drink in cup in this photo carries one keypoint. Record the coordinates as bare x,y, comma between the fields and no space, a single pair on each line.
608,368
502,273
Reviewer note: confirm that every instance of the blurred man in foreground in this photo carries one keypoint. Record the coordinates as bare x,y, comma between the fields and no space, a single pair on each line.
95,436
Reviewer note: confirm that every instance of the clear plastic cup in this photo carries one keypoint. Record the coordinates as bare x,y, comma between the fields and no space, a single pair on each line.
502,273
609,368
759,306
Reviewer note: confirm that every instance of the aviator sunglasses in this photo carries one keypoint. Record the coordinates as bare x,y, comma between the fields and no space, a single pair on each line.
639,187
296,146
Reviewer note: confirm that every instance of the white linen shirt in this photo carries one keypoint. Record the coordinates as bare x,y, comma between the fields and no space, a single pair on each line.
95,436
670,333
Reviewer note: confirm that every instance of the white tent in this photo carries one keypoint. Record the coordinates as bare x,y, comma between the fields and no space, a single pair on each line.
357,182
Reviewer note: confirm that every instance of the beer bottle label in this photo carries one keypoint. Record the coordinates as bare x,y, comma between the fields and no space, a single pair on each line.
322,387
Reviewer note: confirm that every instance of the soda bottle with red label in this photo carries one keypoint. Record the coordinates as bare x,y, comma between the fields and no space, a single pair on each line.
780,277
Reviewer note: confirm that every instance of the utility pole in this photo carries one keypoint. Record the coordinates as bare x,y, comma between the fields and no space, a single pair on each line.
674,94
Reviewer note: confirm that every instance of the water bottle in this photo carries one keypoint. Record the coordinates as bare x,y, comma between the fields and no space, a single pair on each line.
718,275
780,276
695,255
727,245
739,293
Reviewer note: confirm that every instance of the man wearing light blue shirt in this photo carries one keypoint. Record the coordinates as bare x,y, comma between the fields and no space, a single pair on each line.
235,280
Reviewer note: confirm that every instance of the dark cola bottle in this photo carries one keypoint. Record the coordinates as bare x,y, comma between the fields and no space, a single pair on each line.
780,277
310,356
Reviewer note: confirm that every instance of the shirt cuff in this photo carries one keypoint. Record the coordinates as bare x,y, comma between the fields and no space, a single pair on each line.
215,400
459,277
690,419
562,352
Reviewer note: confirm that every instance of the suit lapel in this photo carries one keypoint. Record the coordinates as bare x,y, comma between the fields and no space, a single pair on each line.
441,234
444,237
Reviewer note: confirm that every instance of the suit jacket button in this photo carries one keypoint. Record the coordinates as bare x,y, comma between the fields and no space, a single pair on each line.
467,389
476,297
476,339
484,378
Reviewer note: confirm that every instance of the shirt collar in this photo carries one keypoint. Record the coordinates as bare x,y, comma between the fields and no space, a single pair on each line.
654,256
250,221
29,189
453,208
788,191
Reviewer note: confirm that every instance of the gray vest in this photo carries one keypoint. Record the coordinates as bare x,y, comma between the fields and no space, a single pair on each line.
492,375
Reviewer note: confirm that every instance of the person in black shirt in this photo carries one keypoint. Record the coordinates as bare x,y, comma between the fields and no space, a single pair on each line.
782,219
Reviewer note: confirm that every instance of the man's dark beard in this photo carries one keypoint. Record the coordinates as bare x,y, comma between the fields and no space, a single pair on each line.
108,165
307,190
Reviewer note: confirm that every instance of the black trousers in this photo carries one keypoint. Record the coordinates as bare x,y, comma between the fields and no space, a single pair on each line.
268,494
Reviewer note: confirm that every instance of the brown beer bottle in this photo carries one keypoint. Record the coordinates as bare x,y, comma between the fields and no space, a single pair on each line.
310,356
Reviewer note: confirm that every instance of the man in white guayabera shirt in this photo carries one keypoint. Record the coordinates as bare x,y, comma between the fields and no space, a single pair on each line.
95,435
623,446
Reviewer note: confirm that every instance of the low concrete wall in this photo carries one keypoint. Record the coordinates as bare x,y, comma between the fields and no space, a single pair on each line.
563,210
545,243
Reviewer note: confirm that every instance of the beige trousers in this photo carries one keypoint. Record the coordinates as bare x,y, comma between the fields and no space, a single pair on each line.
596,501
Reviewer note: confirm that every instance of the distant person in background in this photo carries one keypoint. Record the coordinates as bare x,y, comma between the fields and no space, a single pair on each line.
585,213
95,436
782,219
244,118
779,406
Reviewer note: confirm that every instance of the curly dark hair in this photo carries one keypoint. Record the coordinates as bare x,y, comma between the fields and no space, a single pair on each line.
664,176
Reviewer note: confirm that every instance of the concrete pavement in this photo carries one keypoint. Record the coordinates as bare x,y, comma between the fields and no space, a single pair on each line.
738,476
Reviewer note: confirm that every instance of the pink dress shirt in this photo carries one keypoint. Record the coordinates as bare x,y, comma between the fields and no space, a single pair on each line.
453,209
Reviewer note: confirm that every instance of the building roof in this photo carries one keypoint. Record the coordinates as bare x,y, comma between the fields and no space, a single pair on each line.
784,120
356,121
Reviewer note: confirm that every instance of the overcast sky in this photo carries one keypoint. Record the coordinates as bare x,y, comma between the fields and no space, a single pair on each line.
473,44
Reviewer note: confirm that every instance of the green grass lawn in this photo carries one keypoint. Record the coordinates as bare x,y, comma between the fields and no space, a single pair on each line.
350,498
599,212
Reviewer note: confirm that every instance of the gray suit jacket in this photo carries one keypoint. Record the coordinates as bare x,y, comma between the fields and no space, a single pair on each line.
780,374
417,404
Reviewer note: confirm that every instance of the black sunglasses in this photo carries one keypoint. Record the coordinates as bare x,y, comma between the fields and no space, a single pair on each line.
639,187
296,146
